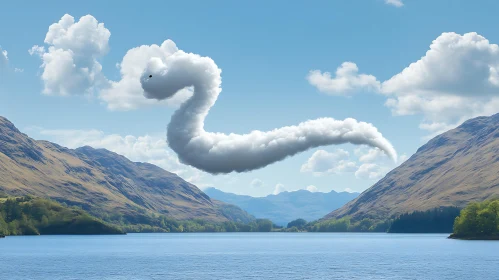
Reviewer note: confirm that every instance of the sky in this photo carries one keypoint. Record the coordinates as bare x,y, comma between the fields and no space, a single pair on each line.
407,70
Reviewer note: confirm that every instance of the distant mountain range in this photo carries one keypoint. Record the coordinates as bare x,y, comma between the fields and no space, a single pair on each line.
452,169
101,182
286,206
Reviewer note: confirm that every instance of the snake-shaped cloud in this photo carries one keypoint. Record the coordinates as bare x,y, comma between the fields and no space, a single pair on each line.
216,153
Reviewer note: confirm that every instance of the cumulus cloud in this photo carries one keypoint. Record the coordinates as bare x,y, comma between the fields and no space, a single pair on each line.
70,65
369,171
396,3
347,80
256,183
224,153
374,164
322,162
312,188
279,188
4,59
455,80
371,155
370,163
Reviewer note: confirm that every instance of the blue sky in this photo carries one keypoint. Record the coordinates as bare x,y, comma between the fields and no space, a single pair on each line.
266,51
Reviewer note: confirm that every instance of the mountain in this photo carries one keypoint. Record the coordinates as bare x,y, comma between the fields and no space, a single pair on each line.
286,206
101,182
452,169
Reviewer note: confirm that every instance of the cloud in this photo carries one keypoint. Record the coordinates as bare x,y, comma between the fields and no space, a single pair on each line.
224,153
322,162
127,93
349,190
312,188
279,188
396,3
371,163
369,171
18,70
70,65
4,59
347,80
457,79
256,183
374,164
371,155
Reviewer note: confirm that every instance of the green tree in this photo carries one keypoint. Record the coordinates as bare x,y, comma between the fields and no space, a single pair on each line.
478,221
264,225
298,223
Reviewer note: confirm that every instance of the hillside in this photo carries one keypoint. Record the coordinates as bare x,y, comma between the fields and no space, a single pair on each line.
452,169
101,182
286,206
37,216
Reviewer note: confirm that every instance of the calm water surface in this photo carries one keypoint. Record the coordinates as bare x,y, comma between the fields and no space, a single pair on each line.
247,256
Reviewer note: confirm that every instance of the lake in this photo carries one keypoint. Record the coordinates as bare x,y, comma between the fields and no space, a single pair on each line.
248,256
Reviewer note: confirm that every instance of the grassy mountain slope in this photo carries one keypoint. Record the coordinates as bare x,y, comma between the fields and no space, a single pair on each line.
34,216
99,181
452,169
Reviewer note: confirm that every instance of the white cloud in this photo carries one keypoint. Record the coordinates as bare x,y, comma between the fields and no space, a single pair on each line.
312,188
256,183
323,162
4,59
347,80
349,190
369,156
396,3
18,70
369,171
374,164
70,66
127,93
455,80
279,188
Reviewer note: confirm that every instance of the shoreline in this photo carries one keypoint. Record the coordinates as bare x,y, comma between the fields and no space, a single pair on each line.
485,238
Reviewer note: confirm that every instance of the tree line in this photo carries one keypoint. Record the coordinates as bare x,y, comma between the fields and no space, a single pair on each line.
33,216
479,220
